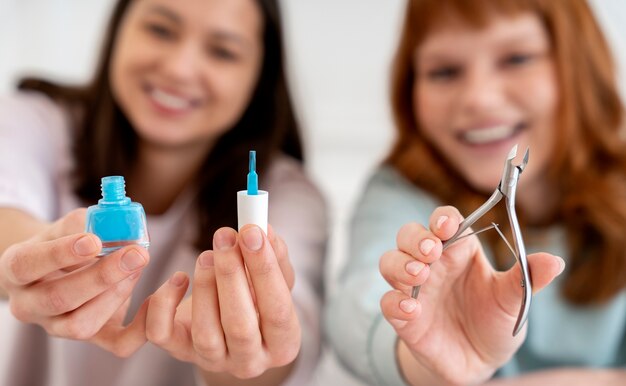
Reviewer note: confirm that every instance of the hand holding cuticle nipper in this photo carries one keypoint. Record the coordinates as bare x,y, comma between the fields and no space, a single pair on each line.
506,188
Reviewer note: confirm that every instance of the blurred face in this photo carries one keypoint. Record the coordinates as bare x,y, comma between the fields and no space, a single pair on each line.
183,71
478,92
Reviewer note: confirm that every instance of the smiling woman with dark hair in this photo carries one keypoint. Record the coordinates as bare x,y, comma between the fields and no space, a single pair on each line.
183,91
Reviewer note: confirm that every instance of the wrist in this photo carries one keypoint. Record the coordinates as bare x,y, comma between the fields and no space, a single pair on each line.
416,373
412,370
272,376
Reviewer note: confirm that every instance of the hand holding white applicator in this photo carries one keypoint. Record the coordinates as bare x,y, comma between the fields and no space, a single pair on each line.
252,203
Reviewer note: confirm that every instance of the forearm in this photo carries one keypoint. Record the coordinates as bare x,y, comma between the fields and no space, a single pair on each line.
566,377
16,226
275,376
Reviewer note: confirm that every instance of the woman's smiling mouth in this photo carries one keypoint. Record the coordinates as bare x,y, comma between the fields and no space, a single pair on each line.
491,135
171,102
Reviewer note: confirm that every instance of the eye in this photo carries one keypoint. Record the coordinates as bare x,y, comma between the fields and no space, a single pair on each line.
517,59
222,53
443,73
160,31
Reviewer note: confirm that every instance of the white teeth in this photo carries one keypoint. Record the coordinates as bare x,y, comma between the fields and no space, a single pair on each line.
490,134
169,100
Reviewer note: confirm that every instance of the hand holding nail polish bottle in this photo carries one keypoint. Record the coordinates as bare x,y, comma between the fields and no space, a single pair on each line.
116,220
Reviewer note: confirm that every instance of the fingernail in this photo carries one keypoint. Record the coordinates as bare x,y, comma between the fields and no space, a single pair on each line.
132,260
414,267
224,239
85,246
178,279
252,238
441,220
426,246
408,305
206,259
561,265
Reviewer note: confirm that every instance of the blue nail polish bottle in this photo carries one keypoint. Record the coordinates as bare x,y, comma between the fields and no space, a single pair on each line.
116,220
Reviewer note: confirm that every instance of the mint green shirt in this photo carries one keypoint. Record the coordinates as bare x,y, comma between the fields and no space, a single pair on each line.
559,334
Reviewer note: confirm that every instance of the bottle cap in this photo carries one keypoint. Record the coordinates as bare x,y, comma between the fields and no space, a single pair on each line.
252,209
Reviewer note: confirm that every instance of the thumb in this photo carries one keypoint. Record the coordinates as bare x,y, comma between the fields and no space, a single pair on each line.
543,267
124,341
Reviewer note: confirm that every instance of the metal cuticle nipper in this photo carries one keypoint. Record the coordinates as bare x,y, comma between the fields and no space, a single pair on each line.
506,188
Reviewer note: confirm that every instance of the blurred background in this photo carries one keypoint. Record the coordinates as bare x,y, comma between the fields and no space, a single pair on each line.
338,53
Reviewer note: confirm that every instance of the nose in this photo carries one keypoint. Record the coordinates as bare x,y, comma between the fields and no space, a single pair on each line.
482,90
180,64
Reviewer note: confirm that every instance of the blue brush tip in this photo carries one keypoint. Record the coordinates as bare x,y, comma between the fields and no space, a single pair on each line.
252,161
253,178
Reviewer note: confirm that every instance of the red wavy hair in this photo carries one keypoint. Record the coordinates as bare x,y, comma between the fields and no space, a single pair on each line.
589,160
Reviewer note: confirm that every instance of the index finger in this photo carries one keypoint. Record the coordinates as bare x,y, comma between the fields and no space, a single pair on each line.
27,262
445,221
71,223
279,323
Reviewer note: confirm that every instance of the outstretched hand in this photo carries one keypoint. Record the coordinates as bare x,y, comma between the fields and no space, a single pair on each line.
55,280
240,319
459,329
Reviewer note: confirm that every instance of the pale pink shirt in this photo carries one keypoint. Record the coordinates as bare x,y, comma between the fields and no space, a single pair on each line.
35,162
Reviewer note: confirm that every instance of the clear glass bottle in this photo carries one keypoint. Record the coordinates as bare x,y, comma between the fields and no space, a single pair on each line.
116,220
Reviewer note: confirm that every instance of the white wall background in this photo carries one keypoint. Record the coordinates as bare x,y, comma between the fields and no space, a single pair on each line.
339,53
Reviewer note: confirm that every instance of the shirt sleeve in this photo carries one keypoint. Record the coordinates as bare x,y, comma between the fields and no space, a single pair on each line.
363,340
297,213
32,134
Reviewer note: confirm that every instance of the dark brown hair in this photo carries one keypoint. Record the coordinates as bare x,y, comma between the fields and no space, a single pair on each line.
106,143
589,161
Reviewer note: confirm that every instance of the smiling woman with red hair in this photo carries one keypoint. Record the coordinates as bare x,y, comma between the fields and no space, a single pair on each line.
470,80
